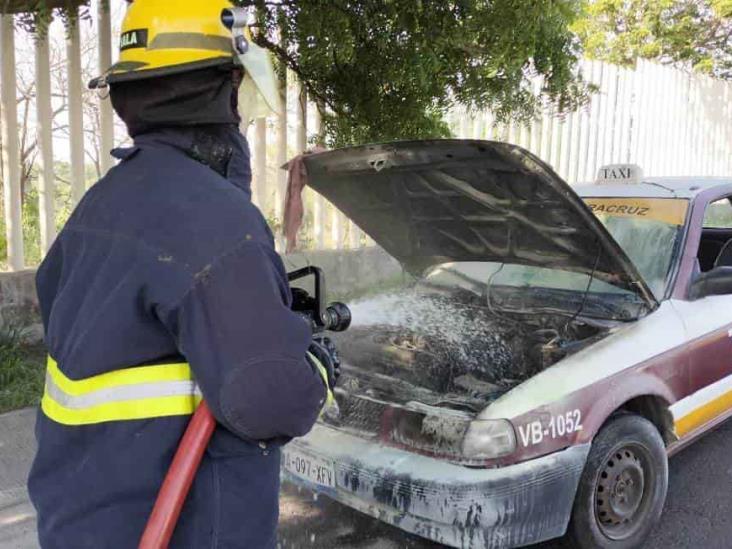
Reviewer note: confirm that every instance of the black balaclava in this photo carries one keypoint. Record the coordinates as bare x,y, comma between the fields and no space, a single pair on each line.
200,107
195,98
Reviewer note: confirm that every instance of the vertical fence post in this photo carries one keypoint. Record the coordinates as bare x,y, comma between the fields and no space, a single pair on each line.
302,120
318,201
584,140
637,93
301,141
11,148
535,135
603,100
584,134
545,142
464,124
562,165
625,100
479,127
44,132
710,130
717,135
555,143
524,134
106,117
611,124
354,236
260,164
336,229
594,130
282,157
574,146
511,132
670,143
76,116
652,113
694,137
725,163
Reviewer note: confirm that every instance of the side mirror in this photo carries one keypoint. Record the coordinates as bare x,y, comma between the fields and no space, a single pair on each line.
718,281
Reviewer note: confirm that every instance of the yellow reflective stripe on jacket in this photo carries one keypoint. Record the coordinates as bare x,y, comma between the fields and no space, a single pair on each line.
329,396
133,393
120,411
117,378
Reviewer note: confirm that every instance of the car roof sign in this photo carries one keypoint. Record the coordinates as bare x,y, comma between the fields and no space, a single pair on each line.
619,173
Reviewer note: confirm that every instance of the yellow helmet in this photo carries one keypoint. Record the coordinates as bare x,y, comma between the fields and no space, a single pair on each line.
160,37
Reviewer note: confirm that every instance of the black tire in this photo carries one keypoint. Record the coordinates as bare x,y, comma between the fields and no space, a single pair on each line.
623,487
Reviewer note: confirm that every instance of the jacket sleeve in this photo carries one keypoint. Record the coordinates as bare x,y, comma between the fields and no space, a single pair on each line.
247,348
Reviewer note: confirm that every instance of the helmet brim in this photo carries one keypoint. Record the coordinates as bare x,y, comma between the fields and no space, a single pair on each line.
131,71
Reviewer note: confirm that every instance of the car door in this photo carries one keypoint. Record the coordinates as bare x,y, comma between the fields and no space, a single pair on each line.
708,323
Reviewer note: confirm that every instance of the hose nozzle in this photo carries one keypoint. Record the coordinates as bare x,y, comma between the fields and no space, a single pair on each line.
337,317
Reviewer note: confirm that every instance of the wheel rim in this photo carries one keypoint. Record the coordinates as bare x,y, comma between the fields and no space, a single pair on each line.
622,491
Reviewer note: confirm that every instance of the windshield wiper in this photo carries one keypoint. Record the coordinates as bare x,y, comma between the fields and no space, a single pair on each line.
664,187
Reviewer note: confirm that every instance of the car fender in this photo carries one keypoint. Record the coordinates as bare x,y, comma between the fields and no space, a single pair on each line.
569,402
577,418
617,394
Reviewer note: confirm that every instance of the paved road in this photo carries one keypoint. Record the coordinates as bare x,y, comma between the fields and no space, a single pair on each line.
698,512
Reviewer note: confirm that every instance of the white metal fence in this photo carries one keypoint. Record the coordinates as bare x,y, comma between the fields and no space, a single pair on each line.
668,121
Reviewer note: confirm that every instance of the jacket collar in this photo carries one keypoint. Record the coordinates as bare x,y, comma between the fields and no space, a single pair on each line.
221,147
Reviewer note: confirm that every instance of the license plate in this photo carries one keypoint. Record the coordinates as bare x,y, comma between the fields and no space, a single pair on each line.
311,468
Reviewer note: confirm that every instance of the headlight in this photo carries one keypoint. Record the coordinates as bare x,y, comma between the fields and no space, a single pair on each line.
489,439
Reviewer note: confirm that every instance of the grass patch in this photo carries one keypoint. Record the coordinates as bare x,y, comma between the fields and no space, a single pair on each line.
22,372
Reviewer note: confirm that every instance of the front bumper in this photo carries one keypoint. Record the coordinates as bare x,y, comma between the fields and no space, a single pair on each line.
458,506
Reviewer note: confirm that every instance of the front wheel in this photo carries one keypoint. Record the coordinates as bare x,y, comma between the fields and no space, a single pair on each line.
623,486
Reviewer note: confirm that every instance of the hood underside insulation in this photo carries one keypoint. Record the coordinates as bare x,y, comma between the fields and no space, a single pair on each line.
431,202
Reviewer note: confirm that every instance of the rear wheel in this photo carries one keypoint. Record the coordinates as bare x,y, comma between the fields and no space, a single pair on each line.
623,487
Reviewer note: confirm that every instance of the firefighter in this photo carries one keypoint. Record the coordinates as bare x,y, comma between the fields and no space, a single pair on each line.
164,288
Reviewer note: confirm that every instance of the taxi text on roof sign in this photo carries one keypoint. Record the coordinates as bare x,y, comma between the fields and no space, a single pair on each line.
619,173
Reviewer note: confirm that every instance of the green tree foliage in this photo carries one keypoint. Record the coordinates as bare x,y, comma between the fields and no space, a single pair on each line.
389,69
692,33
723,8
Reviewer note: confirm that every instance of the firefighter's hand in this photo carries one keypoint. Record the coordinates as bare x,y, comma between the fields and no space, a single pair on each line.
325,351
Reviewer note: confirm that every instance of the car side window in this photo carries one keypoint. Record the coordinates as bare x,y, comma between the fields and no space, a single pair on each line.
715,247
718,215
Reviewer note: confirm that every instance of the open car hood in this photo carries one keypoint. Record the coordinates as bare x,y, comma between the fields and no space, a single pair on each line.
438,201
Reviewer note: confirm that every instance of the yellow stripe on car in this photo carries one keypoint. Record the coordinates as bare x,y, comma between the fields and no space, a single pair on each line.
703,406
704,414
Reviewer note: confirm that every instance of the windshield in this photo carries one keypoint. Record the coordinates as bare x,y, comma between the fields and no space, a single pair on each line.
524,288
648,230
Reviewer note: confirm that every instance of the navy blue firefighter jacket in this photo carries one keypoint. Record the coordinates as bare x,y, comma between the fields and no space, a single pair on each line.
163,258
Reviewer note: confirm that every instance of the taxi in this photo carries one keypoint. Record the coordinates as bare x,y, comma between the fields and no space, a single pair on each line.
549,350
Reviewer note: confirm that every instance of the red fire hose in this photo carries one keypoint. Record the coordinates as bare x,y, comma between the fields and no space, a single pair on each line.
177,483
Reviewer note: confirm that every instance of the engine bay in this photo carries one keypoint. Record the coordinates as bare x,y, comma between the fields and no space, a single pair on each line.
421,348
